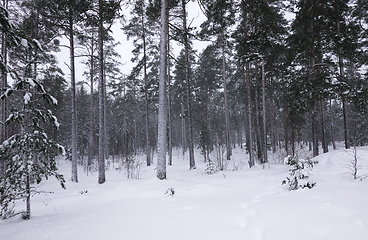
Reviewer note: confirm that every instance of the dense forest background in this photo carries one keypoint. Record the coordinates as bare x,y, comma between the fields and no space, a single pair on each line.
264,83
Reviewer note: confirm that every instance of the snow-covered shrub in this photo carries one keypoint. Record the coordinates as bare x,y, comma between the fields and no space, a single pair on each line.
220,157
299,173
132,165
210,167
354,165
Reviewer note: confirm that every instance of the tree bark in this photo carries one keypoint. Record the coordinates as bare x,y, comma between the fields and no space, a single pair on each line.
162,106
346,131
227,117
91,141
148,149
74,176
323,127
250,127
3,103
101,111
183,128
169,98
265,158
314,131
188,88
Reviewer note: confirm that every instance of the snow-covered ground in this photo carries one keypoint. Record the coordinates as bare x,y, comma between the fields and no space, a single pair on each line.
244,204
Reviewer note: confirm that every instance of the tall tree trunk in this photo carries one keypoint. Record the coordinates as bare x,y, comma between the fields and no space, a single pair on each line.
28,198
323,127
332,127
105,135
227,117
101,111
258,124
265,159
286,136
250,127
74,176
162,105
314,131
183,128
346,131
148,148
91,141
169,98
3,103
273,121
188,88
342,79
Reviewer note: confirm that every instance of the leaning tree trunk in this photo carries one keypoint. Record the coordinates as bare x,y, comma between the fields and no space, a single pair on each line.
162,105
74,176
188,89
101,111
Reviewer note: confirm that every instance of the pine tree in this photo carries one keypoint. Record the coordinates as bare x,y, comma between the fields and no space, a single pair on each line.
162,107
143,53
220,17
29,153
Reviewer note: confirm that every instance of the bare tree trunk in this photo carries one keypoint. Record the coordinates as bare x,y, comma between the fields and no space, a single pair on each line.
169,98
148,148
273,122
28,198
323,126
74,176
346,131
286,136
250,127
188,88
162,106
101,140
314,131
258,124
183,127
332,127
265,159
227,117
342,78
91,141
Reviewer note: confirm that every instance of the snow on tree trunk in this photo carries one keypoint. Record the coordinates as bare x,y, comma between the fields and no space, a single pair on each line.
162,106
74,176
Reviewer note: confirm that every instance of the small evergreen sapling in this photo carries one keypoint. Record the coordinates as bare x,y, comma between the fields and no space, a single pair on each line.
29,154
210,167
299,173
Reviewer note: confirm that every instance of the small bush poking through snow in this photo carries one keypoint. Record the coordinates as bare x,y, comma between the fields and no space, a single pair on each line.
170,192
299,173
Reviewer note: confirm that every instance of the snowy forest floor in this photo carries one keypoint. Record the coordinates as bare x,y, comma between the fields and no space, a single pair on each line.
246,204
